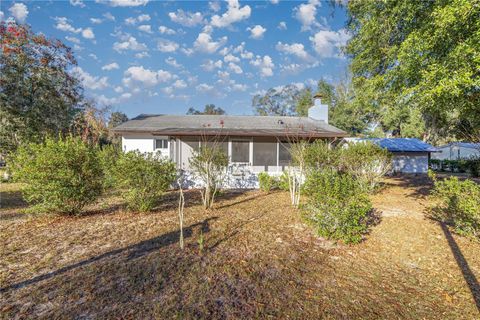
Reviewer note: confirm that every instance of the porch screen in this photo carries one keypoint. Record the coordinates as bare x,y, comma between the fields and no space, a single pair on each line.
284,156
240,151
264,153
222,145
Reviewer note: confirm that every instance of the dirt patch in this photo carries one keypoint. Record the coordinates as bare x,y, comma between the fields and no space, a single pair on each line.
259,260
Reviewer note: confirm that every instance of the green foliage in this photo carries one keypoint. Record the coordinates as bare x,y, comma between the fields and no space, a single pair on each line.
458,204
283,182
143,178
108,156
39,96
267,182
417,63
209,109
116,119
209,165
304,102
471,166
366,161
337,205
60,175
277,101
321,155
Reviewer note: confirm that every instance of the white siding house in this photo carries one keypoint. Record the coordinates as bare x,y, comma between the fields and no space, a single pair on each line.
457,151
253,144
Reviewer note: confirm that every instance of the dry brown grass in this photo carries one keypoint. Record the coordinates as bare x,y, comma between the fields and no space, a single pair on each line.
259,261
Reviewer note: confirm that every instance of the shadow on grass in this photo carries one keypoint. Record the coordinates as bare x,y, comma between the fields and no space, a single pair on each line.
134,251
420,183
462,263
12,200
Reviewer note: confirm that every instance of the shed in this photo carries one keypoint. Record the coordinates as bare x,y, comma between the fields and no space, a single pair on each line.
410,155
457,151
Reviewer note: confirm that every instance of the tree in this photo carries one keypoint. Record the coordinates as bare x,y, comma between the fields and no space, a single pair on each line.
305,101
416,62
209,165
210,109
280,101
116,119
90,124
38,96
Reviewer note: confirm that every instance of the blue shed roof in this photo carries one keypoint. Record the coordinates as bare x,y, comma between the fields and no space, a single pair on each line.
402,144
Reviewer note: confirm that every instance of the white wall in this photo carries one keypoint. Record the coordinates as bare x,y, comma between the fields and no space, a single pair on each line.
410,162
452,153
143,143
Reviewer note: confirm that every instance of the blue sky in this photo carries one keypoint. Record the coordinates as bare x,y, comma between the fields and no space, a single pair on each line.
143,56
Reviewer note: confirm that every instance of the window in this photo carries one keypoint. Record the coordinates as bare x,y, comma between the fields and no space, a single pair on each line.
161,144
264,153
240,151
284,156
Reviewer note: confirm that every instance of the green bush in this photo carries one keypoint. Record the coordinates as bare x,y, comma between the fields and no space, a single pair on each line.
143,178
366,161
109,155
458,204
60,175
267,182
283,181
337,205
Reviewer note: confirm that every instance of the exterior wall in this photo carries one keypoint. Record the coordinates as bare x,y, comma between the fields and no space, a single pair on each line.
453,152
143,143
410,162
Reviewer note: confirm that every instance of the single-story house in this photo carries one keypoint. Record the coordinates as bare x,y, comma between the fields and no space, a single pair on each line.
253,144
457,151
409,155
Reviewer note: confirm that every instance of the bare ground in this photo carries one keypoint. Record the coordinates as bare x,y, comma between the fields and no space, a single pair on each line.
258,260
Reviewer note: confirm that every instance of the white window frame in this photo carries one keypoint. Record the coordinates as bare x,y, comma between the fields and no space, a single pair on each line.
250,149
163,139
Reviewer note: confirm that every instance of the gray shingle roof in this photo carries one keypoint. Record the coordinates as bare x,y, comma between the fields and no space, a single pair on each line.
229,125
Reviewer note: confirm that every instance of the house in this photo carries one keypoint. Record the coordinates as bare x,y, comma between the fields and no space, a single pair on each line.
457,151
409,155
253,144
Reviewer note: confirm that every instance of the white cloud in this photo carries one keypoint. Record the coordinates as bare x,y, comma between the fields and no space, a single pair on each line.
164,45
235,68
306,12
257,32
211,65
2,15
129,43
73,39
234,14
111,66
93,56
214,6
145,28
19,11
96,20
180,84
166,30
77,3
328,43
142,55
145,77
63,25
274,1
231,58
187,19
123,3
282,25
265,65
204,88
172,62
109,16
88,33
89,81
187,51
118,89
296,49
141,18
204,43
239,87
244,54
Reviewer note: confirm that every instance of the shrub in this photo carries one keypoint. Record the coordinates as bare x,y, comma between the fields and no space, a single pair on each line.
60,175
283,181
458,204
109,155
337,205
267,182
143,178
367,162
209,165
321,155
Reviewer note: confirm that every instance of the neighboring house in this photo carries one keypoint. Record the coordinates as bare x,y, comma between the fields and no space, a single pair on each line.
410,155
253,144
457,150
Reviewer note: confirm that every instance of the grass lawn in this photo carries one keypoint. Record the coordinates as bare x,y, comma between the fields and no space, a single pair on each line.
259,260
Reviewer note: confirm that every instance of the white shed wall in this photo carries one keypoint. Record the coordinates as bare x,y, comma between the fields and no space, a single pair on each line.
410,162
